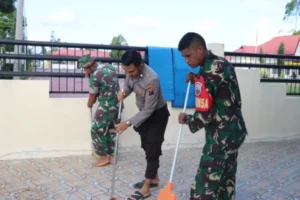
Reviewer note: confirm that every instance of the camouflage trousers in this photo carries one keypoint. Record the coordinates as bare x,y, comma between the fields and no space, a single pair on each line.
103,136
216,174
103,131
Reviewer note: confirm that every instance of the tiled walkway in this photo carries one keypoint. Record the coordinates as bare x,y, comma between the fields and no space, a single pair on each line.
268,170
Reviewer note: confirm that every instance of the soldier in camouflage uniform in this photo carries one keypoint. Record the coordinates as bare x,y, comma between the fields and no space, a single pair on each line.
104,86
218,111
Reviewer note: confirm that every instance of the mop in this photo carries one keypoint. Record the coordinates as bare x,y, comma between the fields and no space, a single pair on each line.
167,194
115,155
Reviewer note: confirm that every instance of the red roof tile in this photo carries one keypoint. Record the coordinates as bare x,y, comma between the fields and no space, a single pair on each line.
271,46
246,49
290,44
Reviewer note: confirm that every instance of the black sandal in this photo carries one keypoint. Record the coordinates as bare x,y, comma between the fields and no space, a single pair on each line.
138,196
139,185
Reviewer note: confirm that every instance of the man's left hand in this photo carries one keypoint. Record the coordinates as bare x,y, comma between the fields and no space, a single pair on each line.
89,104
181,117
121,127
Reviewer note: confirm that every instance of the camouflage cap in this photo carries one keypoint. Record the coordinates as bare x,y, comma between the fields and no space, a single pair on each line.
85,61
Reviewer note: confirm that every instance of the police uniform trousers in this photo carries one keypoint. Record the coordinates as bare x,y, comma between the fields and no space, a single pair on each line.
152,133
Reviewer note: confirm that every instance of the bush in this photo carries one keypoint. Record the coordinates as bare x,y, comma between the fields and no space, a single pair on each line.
7,68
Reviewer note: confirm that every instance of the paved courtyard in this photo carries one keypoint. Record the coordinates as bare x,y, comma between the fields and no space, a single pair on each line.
267,170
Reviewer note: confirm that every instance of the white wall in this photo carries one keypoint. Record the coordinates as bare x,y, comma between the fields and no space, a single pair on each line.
34,125
297,53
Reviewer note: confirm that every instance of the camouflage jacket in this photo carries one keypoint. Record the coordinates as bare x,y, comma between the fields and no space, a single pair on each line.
104,82
221,84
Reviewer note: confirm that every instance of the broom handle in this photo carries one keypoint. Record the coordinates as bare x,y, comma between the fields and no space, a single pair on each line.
115,153
180,131
115,167
91,113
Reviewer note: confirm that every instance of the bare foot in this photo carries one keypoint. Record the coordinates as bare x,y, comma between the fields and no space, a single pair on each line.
101,162
155,181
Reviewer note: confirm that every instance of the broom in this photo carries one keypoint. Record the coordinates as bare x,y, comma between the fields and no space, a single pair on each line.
167,194
115,155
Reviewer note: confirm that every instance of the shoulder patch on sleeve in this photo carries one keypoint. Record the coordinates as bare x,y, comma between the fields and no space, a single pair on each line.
150,89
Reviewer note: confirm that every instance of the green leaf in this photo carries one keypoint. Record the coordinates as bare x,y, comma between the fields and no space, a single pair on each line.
118,40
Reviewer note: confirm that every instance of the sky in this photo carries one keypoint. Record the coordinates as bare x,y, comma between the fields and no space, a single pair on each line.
158,23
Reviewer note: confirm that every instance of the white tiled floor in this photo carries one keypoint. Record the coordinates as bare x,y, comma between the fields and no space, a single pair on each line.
266,171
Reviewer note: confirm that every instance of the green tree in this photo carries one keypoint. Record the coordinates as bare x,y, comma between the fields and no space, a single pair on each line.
261,59
263,71
292,9
296,32
7,6
118,40
8,25
7,30
54,40
7,19
280,61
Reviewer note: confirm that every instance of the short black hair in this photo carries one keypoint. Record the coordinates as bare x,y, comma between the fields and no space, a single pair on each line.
131,57
191,38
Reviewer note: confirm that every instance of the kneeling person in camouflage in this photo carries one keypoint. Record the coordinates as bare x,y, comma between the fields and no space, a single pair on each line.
104,86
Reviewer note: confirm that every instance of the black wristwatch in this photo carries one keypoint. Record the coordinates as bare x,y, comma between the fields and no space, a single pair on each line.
128,123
